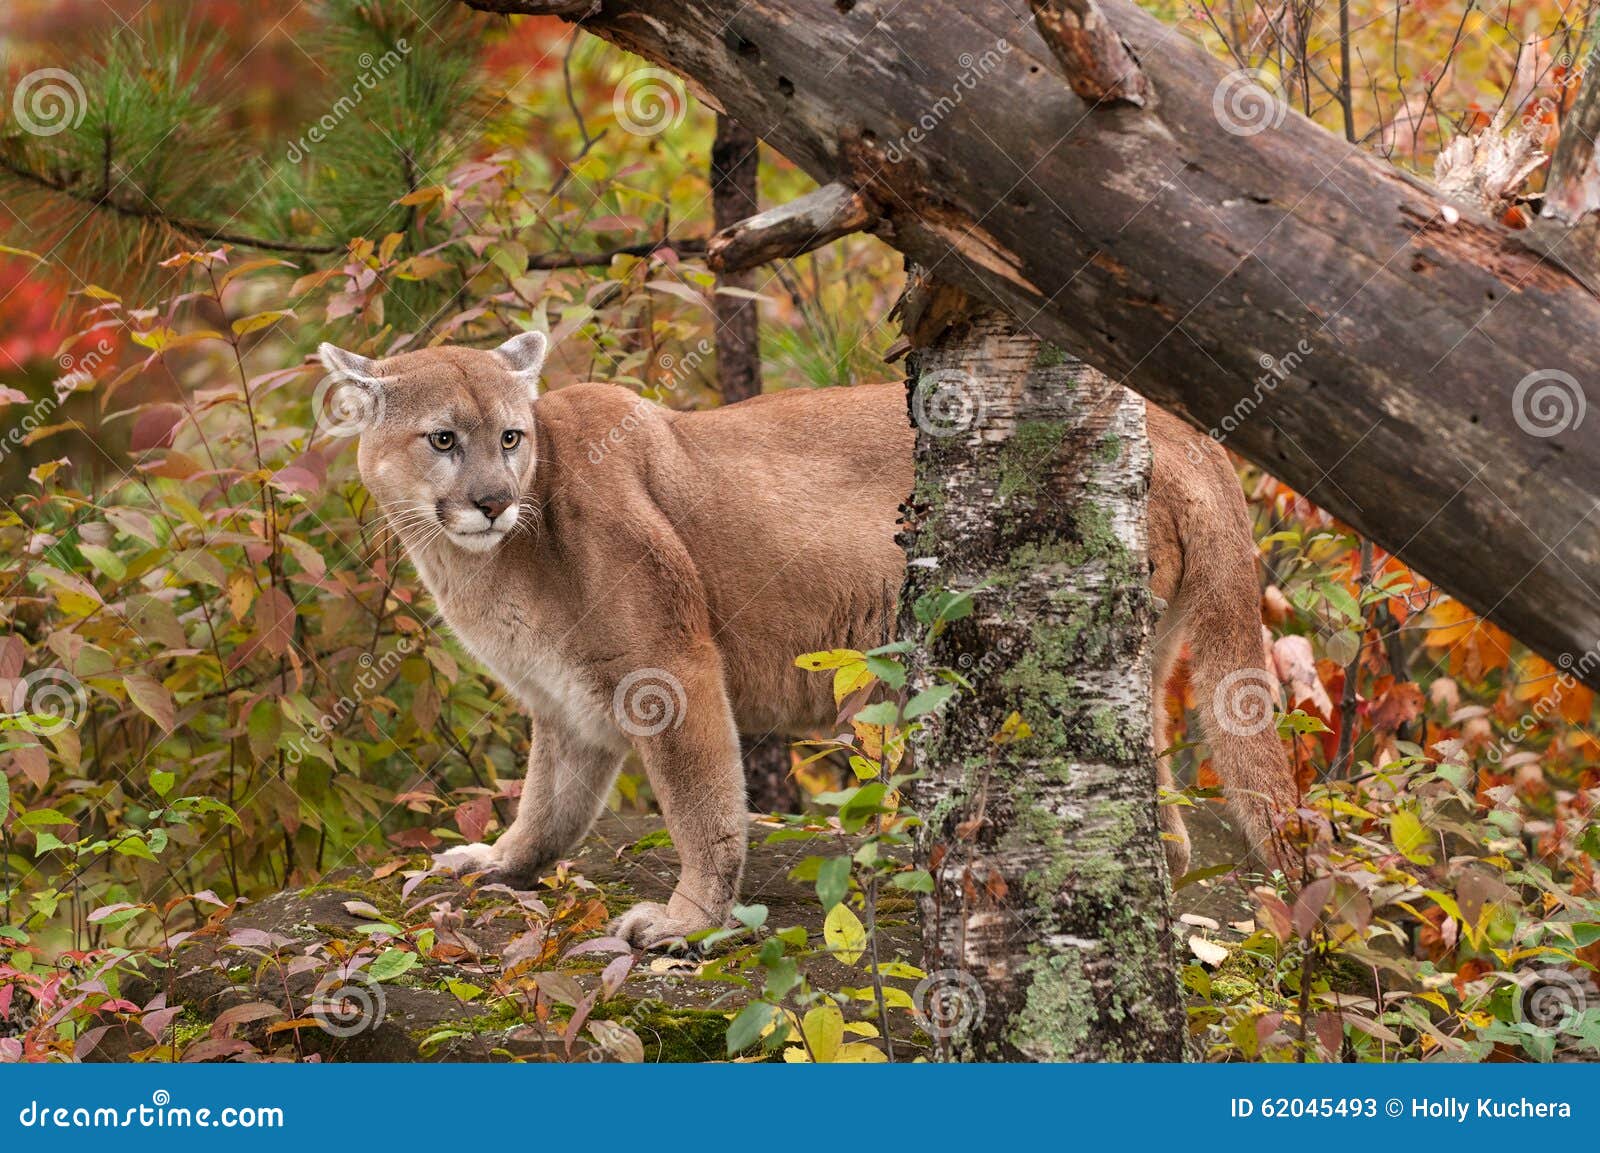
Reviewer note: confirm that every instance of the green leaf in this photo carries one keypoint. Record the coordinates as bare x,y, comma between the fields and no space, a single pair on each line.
44,842
104,560
882,713
833,881
916,881
134,847
782,976
891,673
747,1027
162,781
864,804
35,818
391,963
750,916
928,700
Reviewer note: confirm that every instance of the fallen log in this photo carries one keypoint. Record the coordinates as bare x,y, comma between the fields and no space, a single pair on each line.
1420,372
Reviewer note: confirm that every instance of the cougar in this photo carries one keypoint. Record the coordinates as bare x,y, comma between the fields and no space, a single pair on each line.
641,580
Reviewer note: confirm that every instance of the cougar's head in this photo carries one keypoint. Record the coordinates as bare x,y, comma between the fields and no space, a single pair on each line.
447,443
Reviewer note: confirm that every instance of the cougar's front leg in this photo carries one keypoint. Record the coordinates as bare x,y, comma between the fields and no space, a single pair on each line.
565,788
690,751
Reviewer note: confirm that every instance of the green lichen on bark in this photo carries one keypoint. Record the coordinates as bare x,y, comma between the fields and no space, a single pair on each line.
1049,865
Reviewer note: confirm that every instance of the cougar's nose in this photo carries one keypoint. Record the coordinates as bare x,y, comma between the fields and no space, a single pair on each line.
492,506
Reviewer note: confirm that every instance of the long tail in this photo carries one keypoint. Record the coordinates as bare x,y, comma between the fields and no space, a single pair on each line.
1236,694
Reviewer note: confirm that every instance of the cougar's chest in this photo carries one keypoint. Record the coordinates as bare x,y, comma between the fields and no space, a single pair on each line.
524,655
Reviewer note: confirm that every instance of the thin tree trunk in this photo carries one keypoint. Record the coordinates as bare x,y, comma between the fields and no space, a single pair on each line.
735,195
1047,936
735,168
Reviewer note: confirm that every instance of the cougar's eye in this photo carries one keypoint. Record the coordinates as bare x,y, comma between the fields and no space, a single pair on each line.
442,441
510,438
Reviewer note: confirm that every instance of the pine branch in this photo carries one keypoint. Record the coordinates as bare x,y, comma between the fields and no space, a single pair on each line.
201,233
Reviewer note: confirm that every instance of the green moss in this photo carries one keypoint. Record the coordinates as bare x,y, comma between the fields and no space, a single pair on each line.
378,894
1109,450
1055,1019
1050,356
1023,457
669,1034
189,1027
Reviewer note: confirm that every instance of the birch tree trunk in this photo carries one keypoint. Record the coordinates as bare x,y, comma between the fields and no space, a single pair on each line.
1047,936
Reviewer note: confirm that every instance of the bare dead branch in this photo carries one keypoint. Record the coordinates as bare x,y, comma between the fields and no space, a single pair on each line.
1099,65
814,220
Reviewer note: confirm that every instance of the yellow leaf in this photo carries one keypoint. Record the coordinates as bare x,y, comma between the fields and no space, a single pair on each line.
424,195
824,1031
1014,729
849,678
1410,836
844,934
859,1053
241,593
832,659
245,325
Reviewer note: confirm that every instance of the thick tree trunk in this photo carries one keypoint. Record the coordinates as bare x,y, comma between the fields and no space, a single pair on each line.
1410,369
1047,936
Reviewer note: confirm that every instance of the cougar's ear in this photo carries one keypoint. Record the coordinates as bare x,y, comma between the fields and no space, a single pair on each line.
524,355
351,364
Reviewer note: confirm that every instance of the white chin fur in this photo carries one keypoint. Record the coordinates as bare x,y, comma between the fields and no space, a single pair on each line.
475,542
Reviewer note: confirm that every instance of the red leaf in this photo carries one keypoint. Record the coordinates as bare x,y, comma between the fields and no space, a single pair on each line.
153,427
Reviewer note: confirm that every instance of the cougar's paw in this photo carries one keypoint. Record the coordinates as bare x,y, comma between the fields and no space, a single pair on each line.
464,859
650,926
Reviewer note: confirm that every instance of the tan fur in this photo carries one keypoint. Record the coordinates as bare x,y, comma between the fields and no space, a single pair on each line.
659,571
